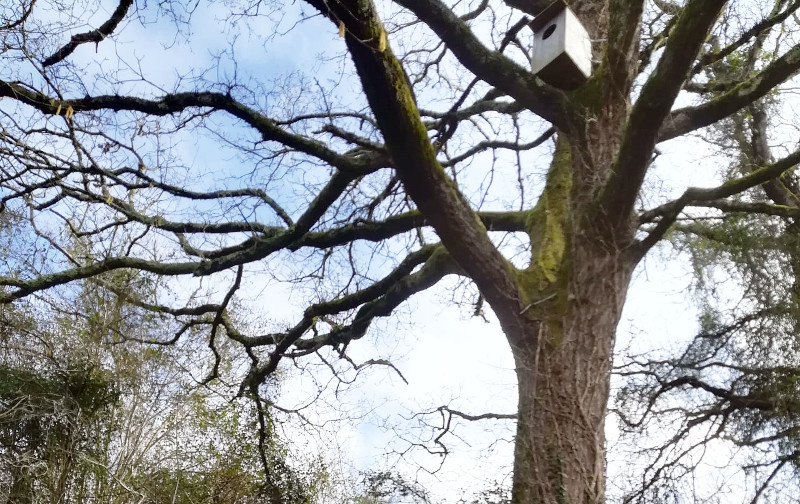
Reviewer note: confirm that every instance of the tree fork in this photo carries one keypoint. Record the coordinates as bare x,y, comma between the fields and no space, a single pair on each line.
560,314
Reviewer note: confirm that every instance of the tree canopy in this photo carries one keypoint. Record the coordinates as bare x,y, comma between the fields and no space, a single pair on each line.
176,159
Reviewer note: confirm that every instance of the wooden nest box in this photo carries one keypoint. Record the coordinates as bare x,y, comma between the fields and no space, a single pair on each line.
562,49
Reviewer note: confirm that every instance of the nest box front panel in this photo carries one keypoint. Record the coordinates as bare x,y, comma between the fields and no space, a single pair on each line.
562,51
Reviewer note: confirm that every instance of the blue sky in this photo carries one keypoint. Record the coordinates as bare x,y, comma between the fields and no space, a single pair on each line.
447,356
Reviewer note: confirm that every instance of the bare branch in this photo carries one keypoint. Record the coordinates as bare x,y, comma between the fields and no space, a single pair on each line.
490,66
685,120
95,36
670,211
179,102
653,104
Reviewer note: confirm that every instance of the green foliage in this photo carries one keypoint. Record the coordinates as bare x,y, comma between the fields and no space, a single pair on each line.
85,416
387,487
740,249
50,421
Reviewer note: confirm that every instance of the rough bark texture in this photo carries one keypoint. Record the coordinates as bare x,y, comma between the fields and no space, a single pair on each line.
563,378
563,363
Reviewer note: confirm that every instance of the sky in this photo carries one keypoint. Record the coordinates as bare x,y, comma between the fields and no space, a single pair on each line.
445,355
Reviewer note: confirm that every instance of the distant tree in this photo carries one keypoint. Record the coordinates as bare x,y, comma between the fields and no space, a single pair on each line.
52,419
383,487
454,161
85,417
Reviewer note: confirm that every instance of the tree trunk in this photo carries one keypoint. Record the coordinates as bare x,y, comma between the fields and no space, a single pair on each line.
563,361
564,386
560,313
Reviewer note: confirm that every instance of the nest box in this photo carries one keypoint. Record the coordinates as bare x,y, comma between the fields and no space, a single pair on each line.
562,49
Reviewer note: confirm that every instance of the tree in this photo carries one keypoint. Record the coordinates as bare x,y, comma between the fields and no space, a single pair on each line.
385,194
87,417
48,424
53,416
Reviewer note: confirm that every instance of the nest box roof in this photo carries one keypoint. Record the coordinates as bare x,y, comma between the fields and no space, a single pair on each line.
547,14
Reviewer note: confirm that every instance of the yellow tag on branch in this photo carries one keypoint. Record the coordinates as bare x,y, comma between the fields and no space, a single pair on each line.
341,29
382,43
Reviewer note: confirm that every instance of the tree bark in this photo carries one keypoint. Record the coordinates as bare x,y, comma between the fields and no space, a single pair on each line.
563,372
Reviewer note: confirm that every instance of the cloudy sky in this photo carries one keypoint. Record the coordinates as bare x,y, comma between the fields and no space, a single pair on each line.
447,356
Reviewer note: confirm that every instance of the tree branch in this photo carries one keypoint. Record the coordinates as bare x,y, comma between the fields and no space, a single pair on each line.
498,144
381,230
378,300
179,102
95,36
26,12
669,211
757,30
624,20
391,99
789,212
43,282
685,120
735,400
490,66
656,99
475,418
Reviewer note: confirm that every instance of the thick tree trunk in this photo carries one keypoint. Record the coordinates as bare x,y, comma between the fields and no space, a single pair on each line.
563,361
561,312
564,386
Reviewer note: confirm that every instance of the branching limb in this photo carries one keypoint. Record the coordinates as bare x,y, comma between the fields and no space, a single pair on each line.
393,226
378,300
256,249
789,212
490,66
481,106
95,36
218,322
182,192
496,144
263,245
657,42
450,123
685,120
373,362
749,401
180,102
447,426
475,418
758,30
669,212
26,12
658,94
340,305
625,17
23,288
